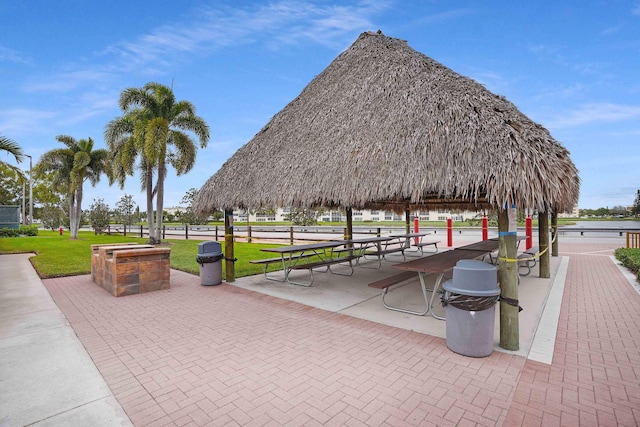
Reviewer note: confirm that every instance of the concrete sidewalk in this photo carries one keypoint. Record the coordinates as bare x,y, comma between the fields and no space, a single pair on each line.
46,375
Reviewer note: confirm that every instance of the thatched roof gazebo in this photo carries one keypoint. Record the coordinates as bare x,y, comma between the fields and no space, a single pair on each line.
386,127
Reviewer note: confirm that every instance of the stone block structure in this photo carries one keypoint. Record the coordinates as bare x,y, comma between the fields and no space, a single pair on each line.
130,269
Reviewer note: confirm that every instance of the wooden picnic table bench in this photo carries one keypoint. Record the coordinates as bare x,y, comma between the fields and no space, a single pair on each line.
527,260
292,254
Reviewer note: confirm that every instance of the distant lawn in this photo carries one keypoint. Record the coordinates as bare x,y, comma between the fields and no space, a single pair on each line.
60,256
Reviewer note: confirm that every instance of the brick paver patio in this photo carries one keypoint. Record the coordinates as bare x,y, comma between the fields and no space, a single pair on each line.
196,355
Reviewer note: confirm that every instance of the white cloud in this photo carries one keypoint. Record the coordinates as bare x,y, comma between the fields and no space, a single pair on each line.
11,55
594,113
15,122
287,22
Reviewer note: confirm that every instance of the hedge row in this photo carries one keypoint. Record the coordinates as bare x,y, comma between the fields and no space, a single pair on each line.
24,230
630,258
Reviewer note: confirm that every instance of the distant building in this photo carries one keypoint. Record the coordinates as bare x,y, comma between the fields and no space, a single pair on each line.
279,215
575,213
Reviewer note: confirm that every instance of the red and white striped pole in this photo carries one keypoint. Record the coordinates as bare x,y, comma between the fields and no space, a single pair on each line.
449,232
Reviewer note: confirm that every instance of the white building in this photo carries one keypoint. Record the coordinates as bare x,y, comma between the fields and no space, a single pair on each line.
279,215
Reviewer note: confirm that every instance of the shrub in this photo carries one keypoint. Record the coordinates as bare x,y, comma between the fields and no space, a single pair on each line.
9,232
28,230
630,258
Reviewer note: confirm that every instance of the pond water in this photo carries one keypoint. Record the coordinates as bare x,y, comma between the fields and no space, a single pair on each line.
623,225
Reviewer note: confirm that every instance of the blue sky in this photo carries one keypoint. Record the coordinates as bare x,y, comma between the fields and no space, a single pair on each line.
572,66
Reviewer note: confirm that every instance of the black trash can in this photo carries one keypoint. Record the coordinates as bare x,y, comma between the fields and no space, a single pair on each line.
210,259
470,298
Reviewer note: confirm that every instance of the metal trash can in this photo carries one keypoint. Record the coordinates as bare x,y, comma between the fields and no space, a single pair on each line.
210,259
470,298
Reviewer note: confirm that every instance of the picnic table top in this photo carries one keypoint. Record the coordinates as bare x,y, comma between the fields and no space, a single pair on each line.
437,263
305,247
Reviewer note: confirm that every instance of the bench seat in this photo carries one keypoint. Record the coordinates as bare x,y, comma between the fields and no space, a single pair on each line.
422,245
323,263
392,280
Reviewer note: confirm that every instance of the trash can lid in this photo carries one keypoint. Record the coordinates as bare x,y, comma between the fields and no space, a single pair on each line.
449,286
211,247
474,264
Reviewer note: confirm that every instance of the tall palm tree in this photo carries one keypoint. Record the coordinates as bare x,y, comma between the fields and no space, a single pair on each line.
152,128
71,167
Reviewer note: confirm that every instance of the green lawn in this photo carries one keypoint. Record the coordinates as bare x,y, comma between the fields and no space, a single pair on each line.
60,256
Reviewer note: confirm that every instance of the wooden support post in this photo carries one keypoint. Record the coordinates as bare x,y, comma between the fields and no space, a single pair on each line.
249,234
554,232
543,239
125,230
349,233
228,247
186,232
407,225
291,235
508,278
141,231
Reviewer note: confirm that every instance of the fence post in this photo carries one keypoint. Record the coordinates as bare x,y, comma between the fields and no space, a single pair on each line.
216,233
186,232
248,234
125,230
141,231
291,235
164,230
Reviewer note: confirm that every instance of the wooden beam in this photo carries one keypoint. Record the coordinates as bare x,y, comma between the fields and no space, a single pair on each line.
349,233
228,247
508,278
554,232
543,243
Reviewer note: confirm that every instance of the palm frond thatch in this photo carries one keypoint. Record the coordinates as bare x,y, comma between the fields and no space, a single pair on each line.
384,126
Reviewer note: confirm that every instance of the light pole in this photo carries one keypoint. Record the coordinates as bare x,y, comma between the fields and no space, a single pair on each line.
30,189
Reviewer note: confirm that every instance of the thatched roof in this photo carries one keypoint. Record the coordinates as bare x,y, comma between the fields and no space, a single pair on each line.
384,126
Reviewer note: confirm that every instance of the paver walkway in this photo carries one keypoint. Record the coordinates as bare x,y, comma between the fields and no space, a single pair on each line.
221,355
594,378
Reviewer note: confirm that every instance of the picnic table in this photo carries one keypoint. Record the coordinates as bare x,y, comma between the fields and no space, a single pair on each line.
438,264
306,256
394,244
488,247
419,243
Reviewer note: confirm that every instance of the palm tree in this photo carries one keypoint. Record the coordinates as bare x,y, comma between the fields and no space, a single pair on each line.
11,147
152,128
70,168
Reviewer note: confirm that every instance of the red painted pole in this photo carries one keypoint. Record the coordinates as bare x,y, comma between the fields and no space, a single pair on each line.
485,228
529,231
416,227
449,232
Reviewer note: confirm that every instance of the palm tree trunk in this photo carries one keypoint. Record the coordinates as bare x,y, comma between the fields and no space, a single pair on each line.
160,199
78,214
72,214
150,218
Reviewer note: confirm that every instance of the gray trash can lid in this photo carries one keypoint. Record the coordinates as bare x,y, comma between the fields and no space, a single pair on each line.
448,286
209,248
474,264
